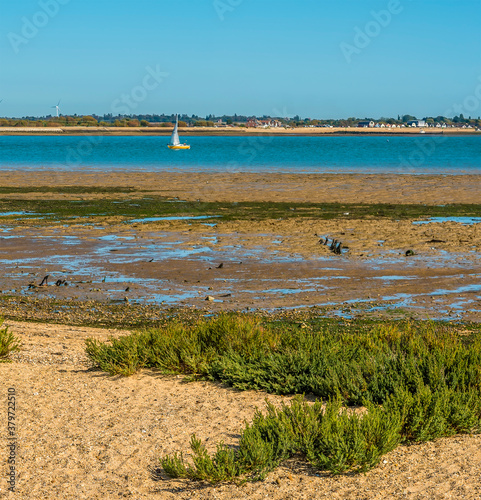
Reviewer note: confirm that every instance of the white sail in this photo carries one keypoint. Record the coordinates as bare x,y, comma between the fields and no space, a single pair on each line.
174,140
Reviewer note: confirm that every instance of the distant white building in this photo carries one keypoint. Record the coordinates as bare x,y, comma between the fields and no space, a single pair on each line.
366,124
417,123
254,122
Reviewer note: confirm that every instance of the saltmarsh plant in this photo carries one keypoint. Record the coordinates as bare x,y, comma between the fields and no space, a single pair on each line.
416,382
8,343
178,348
429,414
328,436
356,365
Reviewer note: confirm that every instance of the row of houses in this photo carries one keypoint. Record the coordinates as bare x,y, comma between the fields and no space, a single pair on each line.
372,124
273,123
253,123
269,123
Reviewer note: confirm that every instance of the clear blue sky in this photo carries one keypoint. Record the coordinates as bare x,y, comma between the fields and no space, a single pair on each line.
273,57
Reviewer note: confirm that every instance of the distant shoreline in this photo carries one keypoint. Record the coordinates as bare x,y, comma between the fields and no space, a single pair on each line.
230,131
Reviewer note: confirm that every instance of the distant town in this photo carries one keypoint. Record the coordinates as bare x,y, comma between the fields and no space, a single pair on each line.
264,122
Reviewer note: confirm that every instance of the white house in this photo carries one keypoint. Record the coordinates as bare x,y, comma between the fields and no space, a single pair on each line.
366,124
417,123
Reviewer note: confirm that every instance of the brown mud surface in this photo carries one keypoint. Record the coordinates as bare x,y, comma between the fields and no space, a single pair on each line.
253,264
240,186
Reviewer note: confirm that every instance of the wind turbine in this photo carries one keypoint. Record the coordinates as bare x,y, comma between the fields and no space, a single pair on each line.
56,107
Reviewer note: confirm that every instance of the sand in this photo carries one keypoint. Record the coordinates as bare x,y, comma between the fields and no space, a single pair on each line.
83,434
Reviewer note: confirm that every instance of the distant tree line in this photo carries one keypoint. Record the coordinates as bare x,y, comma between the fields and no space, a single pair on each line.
109,120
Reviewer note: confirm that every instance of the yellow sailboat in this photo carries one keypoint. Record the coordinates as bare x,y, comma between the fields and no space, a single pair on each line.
174,140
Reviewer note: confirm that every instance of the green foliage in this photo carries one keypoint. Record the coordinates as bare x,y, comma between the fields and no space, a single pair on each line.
417,383
429,414
222,466
203,123
347,441
54,209
329,437
180,349
8,343
124,356
355,365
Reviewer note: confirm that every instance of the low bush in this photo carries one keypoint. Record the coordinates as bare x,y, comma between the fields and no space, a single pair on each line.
183,349
417,382
356,365
8,343
329,437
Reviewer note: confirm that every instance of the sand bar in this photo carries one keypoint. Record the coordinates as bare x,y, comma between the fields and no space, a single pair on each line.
287,187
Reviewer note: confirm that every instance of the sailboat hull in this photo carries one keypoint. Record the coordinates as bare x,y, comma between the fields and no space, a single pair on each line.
179,146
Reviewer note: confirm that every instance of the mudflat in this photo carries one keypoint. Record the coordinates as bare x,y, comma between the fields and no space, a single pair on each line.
241,186
428,268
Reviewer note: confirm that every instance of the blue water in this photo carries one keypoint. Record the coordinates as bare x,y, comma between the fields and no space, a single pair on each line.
423,154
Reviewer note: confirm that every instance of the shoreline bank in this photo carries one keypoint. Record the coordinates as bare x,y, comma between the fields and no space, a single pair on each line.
232,131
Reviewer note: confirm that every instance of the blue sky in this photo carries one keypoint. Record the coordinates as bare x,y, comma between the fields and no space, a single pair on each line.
315,58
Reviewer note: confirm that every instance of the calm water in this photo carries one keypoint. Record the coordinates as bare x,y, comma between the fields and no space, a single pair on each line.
421,154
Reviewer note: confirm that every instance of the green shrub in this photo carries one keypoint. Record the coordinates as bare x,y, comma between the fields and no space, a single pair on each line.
356,365
221,467
429,414
348,441
8,343
180,349
417,381
330,438
123,356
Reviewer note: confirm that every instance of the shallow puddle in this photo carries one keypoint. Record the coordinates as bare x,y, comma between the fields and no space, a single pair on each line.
461,220
157,219
183,268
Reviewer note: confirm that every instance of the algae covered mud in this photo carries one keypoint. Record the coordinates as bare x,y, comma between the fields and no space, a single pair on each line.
139,247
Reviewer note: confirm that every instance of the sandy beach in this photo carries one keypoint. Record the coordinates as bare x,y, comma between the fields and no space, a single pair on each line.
83,434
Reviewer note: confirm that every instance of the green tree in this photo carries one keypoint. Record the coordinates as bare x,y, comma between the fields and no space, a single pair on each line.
88,121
